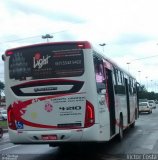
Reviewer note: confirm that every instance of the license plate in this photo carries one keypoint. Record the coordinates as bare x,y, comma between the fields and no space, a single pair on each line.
49,137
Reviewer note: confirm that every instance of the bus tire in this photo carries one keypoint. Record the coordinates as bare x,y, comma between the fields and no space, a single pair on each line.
132,125
120,134
136,114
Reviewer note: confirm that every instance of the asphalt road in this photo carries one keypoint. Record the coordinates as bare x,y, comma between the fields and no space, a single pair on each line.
140,142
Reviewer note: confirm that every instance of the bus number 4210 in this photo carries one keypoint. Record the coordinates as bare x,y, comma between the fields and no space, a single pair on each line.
70,108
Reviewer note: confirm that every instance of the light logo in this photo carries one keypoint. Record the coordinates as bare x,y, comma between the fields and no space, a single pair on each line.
39,62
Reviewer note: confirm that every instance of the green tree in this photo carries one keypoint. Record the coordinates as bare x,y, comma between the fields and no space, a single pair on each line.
144,94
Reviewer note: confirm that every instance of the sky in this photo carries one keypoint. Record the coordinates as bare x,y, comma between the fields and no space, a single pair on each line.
129,28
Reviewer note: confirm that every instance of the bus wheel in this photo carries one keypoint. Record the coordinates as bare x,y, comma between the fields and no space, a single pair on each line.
120,135
132,125
136,114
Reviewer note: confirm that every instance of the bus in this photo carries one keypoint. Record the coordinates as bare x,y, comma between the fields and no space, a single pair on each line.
66,92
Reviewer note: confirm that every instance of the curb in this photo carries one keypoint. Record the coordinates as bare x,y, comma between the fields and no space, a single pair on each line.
5,130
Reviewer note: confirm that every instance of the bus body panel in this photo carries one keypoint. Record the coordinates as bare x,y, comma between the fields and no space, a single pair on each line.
99,101
59,112
133,104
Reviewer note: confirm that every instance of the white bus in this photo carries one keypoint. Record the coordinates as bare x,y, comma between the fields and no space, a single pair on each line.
64,92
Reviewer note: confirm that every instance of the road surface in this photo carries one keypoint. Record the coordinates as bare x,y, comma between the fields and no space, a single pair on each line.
140,142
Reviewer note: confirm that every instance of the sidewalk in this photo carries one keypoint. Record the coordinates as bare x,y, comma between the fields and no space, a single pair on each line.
5,130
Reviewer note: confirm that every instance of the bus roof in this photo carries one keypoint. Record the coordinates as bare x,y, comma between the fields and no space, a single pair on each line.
80,44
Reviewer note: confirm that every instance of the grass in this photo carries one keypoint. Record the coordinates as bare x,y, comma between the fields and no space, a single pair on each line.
3,124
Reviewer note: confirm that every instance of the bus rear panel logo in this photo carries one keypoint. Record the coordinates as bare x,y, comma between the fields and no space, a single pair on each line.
48,107
39,61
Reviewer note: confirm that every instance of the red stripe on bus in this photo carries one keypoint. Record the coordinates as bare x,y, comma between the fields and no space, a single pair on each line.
18,109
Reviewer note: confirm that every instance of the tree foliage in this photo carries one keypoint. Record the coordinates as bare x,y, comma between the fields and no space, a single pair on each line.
144,94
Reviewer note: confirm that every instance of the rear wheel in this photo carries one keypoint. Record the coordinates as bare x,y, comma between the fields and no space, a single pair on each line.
149,112
120,135
132,125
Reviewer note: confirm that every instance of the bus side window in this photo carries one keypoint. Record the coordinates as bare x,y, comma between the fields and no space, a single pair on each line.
99,75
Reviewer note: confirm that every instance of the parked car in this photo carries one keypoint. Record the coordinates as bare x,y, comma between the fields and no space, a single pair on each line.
145,107
3,115
152,103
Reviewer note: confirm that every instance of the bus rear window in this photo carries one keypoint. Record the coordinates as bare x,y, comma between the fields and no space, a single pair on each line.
40,62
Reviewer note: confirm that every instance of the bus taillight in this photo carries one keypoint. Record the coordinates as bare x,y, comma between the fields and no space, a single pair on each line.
11,119
85,45
90,115
8,53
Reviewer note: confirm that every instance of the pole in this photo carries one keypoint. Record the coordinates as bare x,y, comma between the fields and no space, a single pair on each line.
47,36
146,83
102,44
128,63
139,76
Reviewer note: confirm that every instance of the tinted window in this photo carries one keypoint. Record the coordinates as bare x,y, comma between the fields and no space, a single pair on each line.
50,61
119,85
143,104
99,74
151,101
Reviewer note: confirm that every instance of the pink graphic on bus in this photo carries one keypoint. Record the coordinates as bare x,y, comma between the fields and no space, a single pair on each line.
48,107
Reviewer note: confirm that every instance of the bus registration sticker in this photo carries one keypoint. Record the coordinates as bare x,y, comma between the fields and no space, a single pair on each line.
49,137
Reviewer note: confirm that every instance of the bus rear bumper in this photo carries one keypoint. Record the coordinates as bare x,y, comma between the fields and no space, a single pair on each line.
55,136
